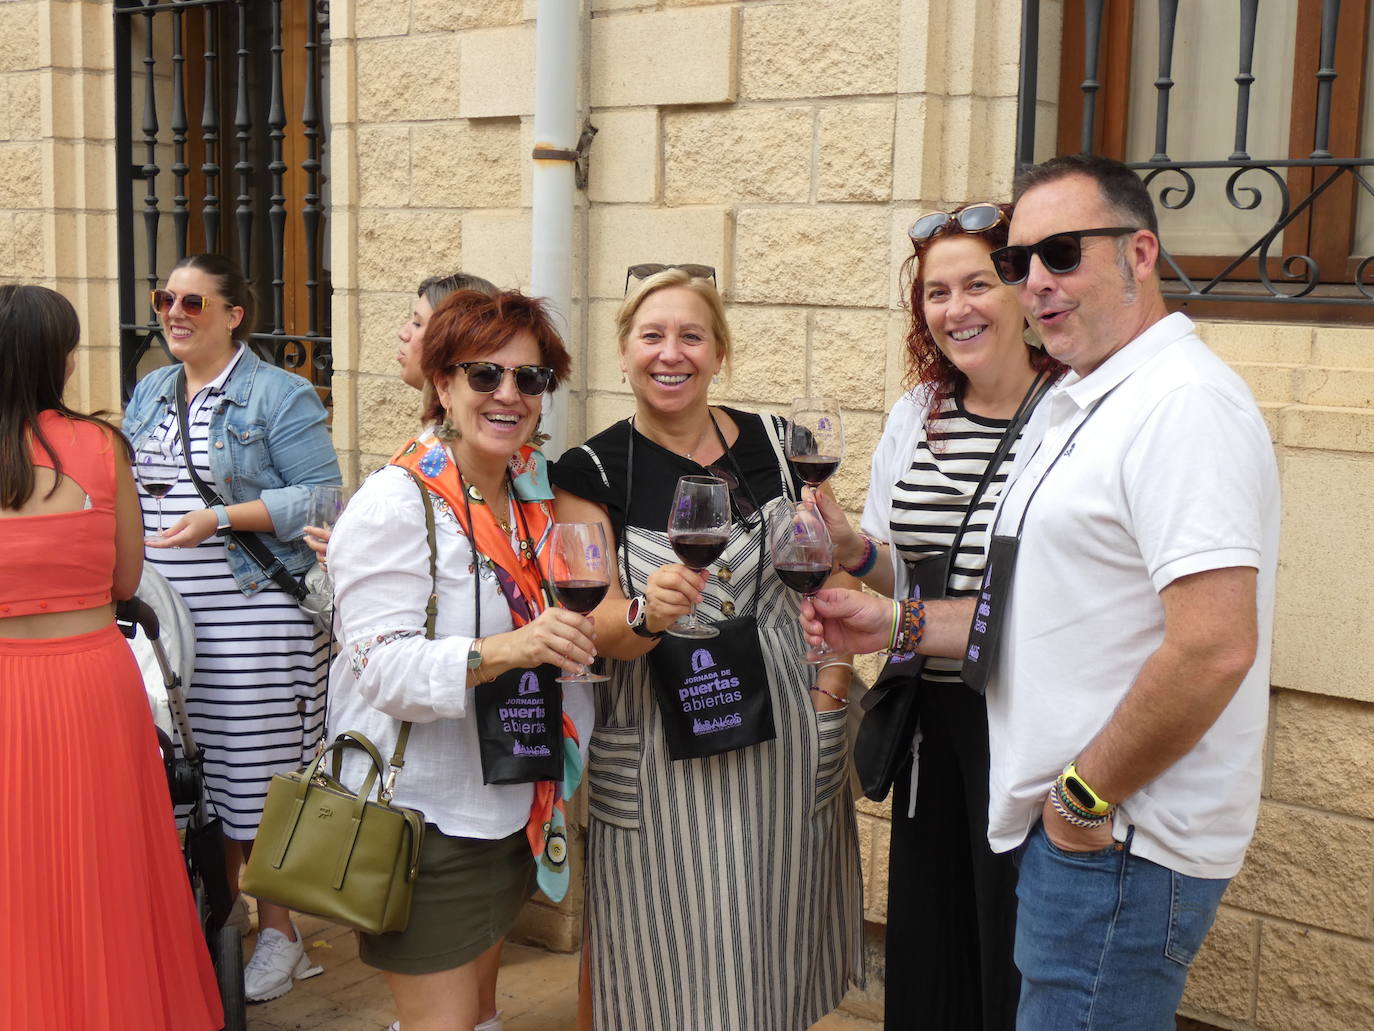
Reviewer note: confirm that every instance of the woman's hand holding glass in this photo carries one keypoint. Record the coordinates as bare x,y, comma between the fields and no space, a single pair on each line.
561,637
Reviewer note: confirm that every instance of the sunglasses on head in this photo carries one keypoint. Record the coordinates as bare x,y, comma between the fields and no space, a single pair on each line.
653,268
1061,253
974,218
194,305
485,377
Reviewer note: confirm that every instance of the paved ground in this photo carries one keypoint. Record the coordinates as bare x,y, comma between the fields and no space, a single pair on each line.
536,991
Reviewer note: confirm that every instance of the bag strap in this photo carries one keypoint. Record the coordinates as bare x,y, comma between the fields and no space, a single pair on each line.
398,757
1039,387
252,543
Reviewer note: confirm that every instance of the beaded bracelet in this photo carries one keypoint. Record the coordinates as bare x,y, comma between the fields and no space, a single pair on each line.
1071,814
867,563
913,626
829,694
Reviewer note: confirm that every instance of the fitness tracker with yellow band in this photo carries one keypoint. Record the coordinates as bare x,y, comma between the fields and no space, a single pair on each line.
1081,794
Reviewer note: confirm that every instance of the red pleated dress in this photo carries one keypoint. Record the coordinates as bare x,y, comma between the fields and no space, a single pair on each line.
98,929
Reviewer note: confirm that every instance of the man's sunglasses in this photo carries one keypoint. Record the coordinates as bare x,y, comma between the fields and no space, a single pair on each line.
194,305
975,218
485,377
654,268
1061,253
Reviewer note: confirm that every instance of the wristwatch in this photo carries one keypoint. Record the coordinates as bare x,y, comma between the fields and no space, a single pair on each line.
475,654
635,616
221,519
1083,796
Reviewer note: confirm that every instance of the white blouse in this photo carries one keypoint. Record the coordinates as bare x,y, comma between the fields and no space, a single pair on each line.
387,671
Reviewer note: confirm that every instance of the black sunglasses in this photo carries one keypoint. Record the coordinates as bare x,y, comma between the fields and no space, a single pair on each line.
1061,253
654,268
975,218
194,305
485,377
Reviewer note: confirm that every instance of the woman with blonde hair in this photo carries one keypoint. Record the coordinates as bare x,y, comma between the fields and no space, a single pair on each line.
723,890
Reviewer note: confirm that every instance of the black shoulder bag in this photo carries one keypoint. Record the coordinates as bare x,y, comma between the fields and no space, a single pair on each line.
892,704
712,695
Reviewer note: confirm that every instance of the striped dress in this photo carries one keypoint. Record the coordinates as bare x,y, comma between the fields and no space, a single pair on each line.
256,698
723,894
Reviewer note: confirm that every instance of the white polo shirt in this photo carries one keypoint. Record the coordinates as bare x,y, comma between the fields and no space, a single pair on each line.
1174,474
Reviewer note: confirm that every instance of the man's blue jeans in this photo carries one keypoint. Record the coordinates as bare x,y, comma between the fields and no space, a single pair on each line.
1104,939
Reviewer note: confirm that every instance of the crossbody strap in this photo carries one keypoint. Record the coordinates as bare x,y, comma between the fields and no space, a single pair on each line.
252,543
1039,387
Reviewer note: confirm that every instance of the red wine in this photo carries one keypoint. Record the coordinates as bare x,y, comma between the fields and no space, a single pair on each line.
157,490
814,469
698,550
803,577
580,595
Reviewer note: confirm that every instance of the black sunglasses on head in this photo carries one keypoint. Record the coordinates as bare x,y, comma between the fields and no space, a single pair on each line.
485,377
1061,253
973,218
654,268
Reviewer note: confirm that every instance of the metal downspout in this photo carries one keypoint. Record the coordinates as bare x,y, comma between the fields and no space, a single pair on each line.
557,45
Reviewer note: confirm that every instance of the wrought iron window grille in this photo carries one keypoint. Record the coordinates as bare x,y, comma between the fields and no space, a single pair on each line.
1270,276
232,106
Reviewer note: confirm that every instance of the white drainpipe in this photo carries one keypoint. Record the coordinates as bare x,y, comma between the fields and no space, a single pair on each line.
557,44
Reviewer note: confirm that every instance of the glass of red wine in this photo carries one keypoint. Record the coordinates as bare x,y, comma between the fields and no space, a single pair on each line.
581,576
157,467
815,439
698,530
802,554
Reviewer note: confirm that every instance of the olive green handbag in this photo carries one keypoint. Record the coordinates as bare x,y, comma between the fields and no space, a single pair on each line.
336,853
324,849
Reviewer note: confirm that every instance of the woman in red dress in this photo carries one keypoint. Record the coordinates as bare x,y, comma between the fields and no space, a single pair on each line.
100,930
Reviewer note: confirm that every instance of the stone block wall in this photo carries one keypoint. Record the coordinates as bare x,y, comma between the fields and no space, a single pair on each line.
57,221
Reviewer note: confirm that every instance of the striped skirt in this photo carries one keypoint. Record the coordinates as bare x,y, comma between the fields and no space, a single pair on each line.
100,930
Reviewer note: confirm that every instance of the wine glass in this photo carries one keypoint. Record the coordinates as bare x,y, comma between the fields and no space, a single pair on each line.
158,467
581,576
326,502
698,530
815,439
802,554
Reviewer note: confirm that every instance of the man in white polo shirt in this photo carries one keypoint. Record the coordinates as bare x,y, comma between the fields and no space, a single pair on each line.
1125,638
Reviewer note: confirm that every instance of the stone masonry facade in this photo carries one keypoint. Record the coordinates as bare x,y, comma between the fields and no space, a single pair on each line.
789,143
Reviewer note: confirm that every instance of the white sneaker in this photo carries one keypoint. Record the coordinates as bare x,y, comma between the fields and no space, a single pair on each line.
276,964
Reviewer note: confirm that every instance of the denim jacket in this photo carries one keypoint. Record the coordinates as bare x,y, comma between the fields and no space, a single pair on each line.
268,440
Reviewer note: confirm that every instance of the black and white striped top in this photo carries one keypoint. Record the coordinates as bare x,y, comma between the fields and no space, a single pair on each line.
929,501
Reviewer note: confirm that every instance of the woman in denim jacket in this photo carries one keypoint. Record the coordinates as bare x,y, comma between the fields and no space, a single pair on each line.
257,436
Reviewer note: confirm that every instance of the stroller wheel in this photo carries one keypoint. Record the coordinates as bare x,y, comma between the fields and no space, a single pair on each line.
228,956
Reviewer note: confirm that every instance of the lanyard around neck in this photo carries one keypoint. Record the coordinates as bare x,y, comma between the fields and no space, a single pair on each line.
525,548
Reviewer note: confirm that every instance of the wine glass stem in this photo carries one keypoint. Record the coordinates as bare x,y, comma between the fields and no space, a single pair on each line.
159,516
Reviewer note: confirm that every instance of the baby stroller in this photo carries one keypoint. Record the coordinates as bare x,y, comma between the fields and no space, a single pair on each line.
155,608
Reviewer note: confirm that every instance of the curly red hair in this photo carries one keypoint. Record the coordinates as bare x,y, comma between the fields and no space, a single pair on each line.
926,364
